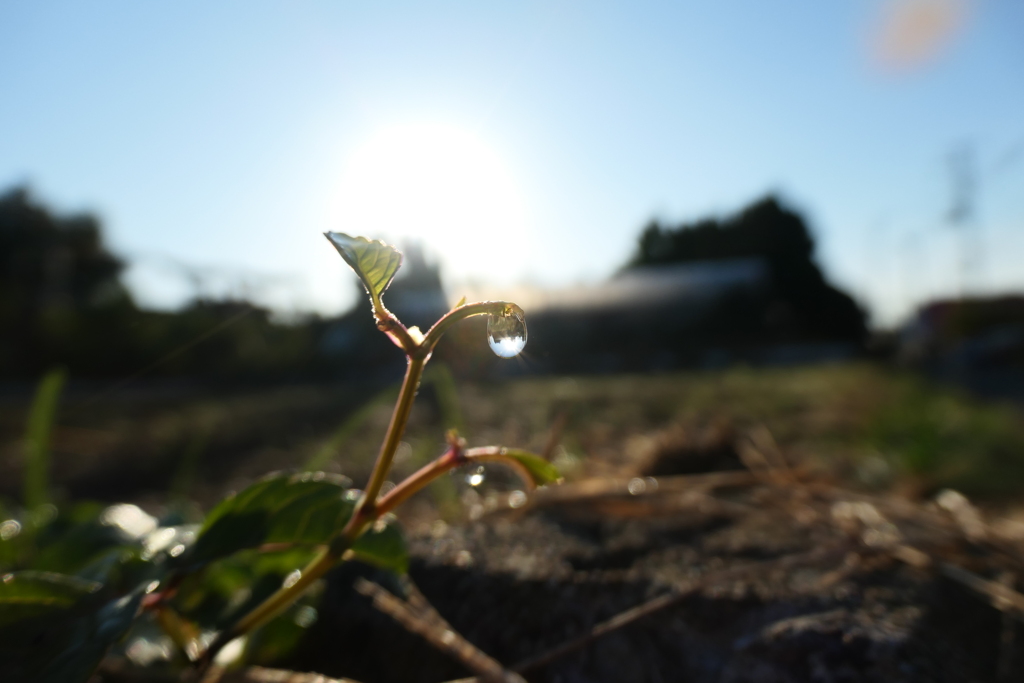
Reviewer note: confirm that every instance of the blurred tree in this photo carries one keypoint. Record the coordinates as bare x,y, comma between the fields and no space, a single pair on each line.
802,304
62,303
56,280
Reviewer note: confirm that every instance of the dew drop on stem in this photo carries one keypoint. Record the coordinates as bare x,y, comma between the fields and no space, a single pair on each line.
506,333
476,477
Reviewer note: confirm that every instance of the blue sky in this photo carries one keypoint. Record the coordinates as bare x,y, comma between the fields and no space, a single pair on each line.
227,137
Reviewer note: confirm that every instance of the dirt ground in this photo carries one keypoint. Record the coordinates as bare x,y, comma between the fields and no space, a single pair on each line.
769,525
730,576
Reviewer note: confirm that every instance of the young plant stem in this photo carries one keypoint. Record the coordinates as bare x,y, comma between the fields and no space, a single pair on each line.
272,606
399,418
364,514
461,313
451,459
454,457
282,599
369,509
501,454
395,330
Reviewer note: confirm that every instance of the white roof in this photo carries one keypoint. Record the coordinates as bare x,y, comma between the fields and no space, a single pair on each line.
656,285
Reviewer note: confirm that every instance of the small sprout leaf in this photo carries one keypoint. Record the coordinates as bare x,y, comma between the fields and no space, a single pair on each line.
540,470
374,261
532,469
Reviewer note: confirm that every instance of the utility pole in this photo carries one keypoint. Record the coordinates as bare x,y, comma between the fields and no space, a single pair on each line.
962,215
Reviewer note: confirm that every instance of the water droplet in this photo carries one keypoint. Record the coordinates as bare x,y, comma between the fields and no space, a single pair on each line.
506,333
476,477
230,652
516,499
144,652
353,494
292,579
9,529
44,514
636,486
130,520
159,539
306,616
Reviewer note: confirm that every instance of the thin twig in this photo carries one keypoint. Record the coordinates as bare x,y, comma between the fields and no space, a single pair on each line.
555,436
602,629
1007,636
427,623
1001,597
597,488
258,674
762,439
660,603
119,670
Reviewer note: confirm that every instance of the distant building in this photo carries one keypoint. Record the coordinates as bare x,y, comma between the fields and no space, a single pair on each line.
744,288
417,296
635,291
974,340
698,314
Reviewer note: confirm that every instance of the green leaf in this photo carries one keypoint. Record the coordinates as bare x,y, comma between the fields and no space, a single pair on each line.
374,261
28,594
37,439
76,538
69,630
271,643
306,508
230,587
383,545
540,469
89,639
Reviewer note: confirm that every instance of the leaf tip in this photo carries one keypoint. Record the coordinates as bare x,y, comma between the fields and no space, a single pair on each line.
374,261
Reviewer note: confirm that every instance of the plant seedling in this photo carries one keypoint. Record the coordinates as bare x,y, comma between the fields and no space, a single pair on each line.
376,264
118,564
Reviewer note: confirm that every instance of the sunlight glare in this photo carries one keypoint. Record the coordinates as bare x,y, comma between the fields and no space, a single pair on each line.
443,186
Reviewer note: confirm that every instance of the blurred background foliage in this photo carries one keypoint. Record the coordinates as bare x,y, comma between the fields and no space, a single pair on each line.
176,406
63,303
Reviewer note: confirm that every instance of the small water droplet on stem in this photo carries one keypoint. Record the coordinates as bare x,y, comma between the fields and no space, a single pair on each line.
506,333
476,477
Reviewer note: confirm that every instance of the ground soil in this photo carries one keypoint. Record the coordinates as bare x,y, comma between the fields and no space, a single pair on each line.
725,493
773,582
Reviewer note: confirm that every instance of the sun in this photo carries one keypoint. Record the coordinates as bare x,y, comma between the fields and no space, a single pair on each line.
444,186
